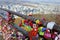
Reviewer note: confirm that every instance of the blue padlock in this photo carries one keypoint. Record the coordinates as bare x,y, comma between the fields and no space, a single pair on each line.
43,29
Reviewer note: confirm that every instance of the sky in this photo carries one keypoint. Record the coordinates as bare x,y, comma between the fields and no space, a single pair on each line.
34,1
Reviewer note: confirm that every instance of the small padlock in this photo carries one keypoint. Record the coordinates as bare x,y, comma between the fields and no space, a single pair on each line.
47,30
37,21
53,36
44,29
40,28
29,28
22,21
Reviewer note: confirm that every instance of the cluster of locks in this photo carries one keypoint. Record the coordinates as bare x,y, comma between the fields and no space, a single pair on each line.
35,30
38,31
8,31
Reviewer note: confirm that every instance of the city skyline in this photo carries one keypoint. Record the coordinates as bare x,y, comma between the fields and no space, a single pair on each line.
33,1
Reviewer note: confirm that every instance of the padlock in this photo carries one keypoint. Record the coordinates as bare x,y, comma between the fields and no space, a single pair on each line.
55,33
47,35
4,28
22,21
40,29
30,23
0,28
25,21
43,19
37,21
41,33
53,36
44,29
59,36
47,30
20,24
29,28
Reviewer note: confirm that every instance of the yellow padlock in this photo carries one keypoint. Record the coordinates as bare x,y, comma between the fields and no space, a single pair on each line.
0,27
37,21
22,21
40,28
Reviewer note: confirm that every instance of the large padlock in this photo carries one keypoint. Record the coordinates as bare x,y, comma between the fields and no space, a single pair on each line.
47,35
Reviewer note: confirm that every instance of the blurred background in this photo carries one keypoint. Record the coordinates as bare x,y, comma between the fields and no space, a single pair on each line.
49,9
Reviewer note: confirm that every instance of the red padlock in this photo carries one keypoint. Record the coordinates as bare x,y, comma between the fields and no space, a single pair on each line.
25,20
47,30
30,23
4,28
40,23
20,24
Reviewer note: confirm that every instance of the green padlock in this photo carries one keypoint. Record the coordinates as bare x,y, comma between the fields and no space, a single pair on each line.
29,28
41,33
40,29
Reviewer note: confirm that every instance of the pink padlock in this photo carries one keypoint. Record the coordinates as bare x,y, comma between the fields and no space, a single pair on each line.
59,36
47,35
